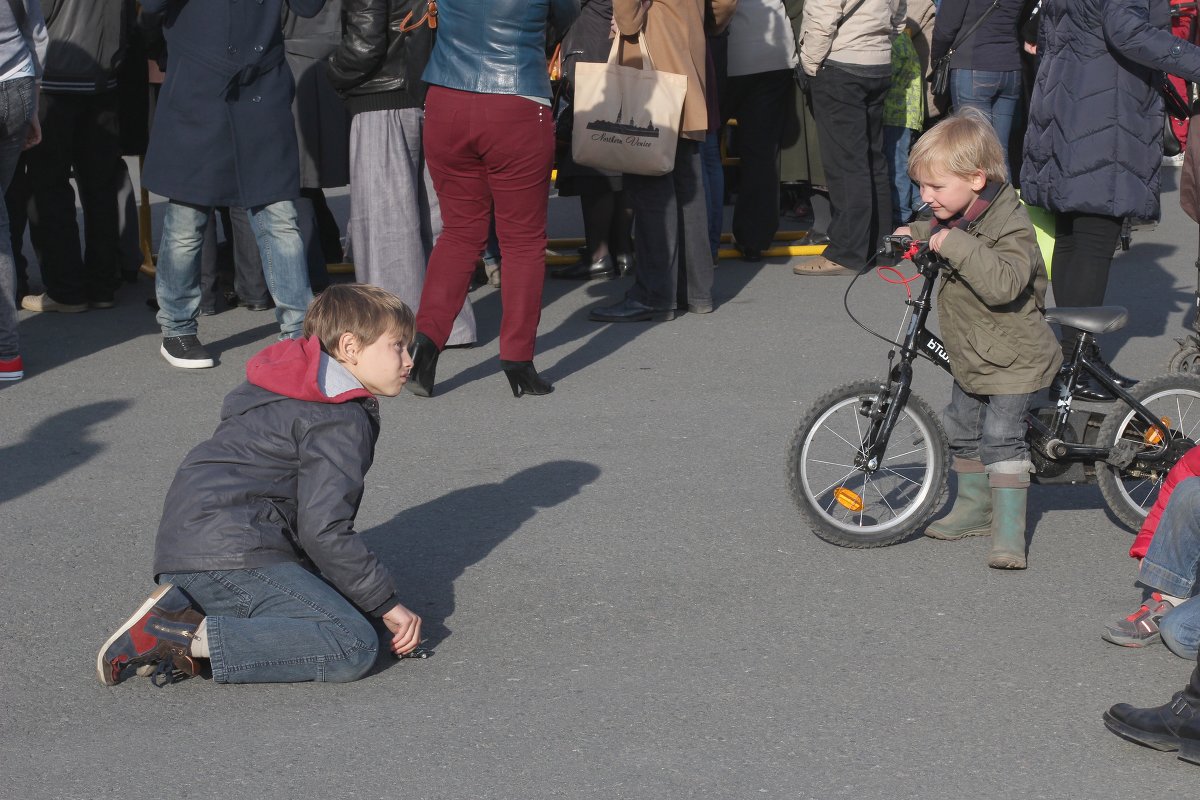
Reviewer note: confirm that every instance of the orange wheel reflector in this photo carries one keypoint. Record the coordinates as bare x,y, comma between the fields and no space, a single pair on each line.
1154,436
848,499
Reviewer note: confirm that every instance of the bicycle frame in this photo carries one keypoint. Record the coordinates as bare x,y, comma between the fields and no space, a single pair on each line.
919,341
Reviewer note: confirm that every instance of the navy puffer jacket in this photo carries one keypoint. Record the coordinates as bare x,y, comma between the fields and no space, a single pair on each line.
1094,142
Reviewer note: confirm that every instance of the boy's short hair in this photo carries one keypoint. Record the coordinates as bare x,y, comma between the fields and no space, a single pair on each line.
368,312
963,142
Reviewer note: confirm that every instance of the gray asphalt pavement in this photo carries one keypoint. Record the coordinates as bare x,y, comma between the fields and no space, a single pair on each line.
627,602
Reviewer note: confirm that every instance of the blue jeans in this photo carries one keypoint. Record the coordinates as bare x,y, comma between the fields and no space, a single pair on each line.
714,189
905,194
1172,566
996,94
177,281
989,428
279,624
16,109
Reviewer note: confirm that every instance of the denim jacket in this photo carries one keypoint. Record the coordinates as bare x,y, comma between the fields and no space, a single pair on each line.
496,46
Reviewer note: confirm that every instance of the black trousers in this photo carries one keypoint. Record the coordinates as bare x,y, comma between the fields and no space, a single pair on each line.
848,110
670,214
80,132
1083,252
759,103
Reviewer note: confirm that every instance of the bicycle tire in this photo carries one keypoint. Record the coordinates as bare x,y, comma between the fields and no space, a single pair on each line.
896,500
1129,492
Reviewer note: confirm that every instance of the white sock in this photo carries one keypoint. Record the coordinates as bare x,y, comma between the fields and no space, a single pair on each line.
200,640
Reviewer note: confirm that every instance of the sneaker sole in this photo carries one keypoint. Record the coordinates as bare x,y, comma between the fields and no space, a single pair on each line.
185,363
104,670
11,376
1128,641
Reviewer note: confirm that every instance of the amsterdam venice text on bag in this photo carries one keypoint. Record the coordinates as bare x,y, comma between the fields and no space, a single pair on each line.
627,119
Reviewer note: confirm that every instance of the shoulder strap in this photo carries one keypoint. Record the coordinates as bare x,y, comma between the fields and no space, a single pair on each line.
841,20
962,37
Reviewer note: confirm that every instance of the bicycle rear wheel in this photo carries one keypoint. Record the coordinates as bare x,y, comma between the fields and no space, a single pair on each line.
845,501
1173,399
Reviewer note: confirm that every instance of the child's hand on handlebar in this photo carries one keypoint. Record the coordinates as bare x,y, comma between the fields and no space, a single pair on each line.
935,241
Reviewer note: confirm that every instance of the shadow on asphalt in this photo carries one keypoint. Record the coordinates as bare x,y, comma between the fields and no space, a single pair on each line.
56,446
427,547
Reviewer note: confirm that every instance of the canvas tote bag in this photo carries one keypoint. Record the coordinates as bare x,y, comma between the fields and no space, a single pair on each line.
627,119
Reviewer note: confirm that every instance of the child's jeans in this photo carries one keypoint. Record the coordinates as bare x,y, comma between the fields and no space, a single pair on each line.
279,623
1172,566
990,429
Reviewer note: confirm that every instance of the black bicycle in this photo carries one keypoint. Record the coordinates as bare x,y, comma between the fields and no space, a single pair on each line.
868,464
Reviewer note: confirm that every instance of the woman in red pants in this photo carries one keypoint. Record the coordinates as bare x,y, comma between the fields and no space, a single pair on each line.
489,142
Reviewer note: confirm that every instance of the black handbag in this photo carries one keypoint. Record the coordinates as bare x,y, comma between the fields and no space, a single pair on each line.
1173,102
939,73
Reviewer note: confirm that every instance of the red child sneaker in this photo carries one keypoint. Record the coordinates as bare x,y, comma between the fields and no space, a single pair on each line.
1141,627
11,369
155,641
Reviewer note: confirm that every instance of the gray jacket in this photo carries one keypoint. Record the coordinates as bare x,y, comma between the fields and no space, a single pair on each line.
21,38
280,481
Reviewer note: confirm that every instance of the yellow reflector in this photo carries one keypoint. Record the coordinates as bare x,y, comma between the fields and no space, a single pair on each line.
848,499
1154,436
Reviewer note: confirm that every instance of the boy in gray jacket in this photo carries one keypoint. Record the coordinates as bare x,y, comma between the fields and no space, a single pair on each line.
260,570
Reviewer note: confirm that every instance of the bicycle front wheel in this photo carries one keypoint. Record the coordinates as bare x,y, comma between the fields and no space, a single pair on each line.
853,504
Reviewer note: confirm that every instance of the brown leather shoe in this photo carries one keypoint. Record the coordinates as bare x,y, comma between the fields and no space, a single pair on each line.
820,265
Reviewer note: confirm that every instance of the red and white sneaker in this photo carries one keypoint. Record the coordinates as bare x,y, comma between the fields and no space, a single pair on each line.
11,369
1141,627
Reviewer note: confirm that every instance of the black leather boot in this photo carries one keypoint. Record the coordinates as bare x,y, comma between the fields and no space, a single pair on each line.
524,379
1109,372
424,354
1170,727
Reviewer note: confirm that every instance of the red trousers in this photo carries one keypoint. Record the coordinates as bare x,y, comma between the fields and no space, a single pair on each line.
485,151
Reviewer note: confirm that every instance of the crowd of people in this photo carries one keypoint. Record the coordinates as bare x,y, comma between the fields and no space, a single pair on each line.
445,122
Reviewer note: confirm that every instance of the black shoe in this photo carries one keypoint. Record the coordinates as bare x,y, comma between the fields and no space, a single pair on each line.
751,255
813,238
1109,372
185,352
262,305
425,356
207,311
230,297
602,268
629,310
1170,727
524,379
624,263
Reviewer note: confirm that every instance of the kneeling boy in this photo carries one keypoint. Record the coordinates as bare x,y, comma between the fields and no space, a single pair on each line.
260,569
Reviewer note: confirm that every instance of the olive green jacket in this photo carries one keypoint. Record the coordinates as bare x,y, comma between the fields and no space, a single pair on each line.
990,307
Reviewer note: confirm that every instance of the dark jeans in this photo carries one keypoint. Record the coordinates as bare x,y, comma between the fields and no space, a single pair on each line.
988,428
670,214
80,132
848,110
758,102
1083,252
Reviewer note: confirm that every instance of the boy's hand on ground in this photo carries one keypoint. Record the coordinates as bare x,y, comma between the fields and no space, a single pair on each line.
405,627
935,241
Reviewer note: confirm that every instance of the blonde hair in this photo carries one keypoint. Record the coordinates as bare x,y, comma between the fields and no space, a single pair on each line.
367,312
959,145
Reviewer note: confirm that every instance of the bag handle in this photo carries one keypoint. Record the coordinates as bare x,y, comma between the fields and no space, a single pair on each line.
962,37
618,43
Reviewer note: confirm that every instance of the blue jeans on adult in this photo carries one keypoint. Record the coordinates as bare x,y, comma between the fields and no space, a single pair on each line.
1172,566
16,103
714,189
177,281
996,94
897,141
279,624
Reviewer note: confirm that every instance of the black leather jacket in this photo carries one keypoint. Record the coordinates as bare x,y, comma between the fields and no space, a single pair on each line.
376,66
496,46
